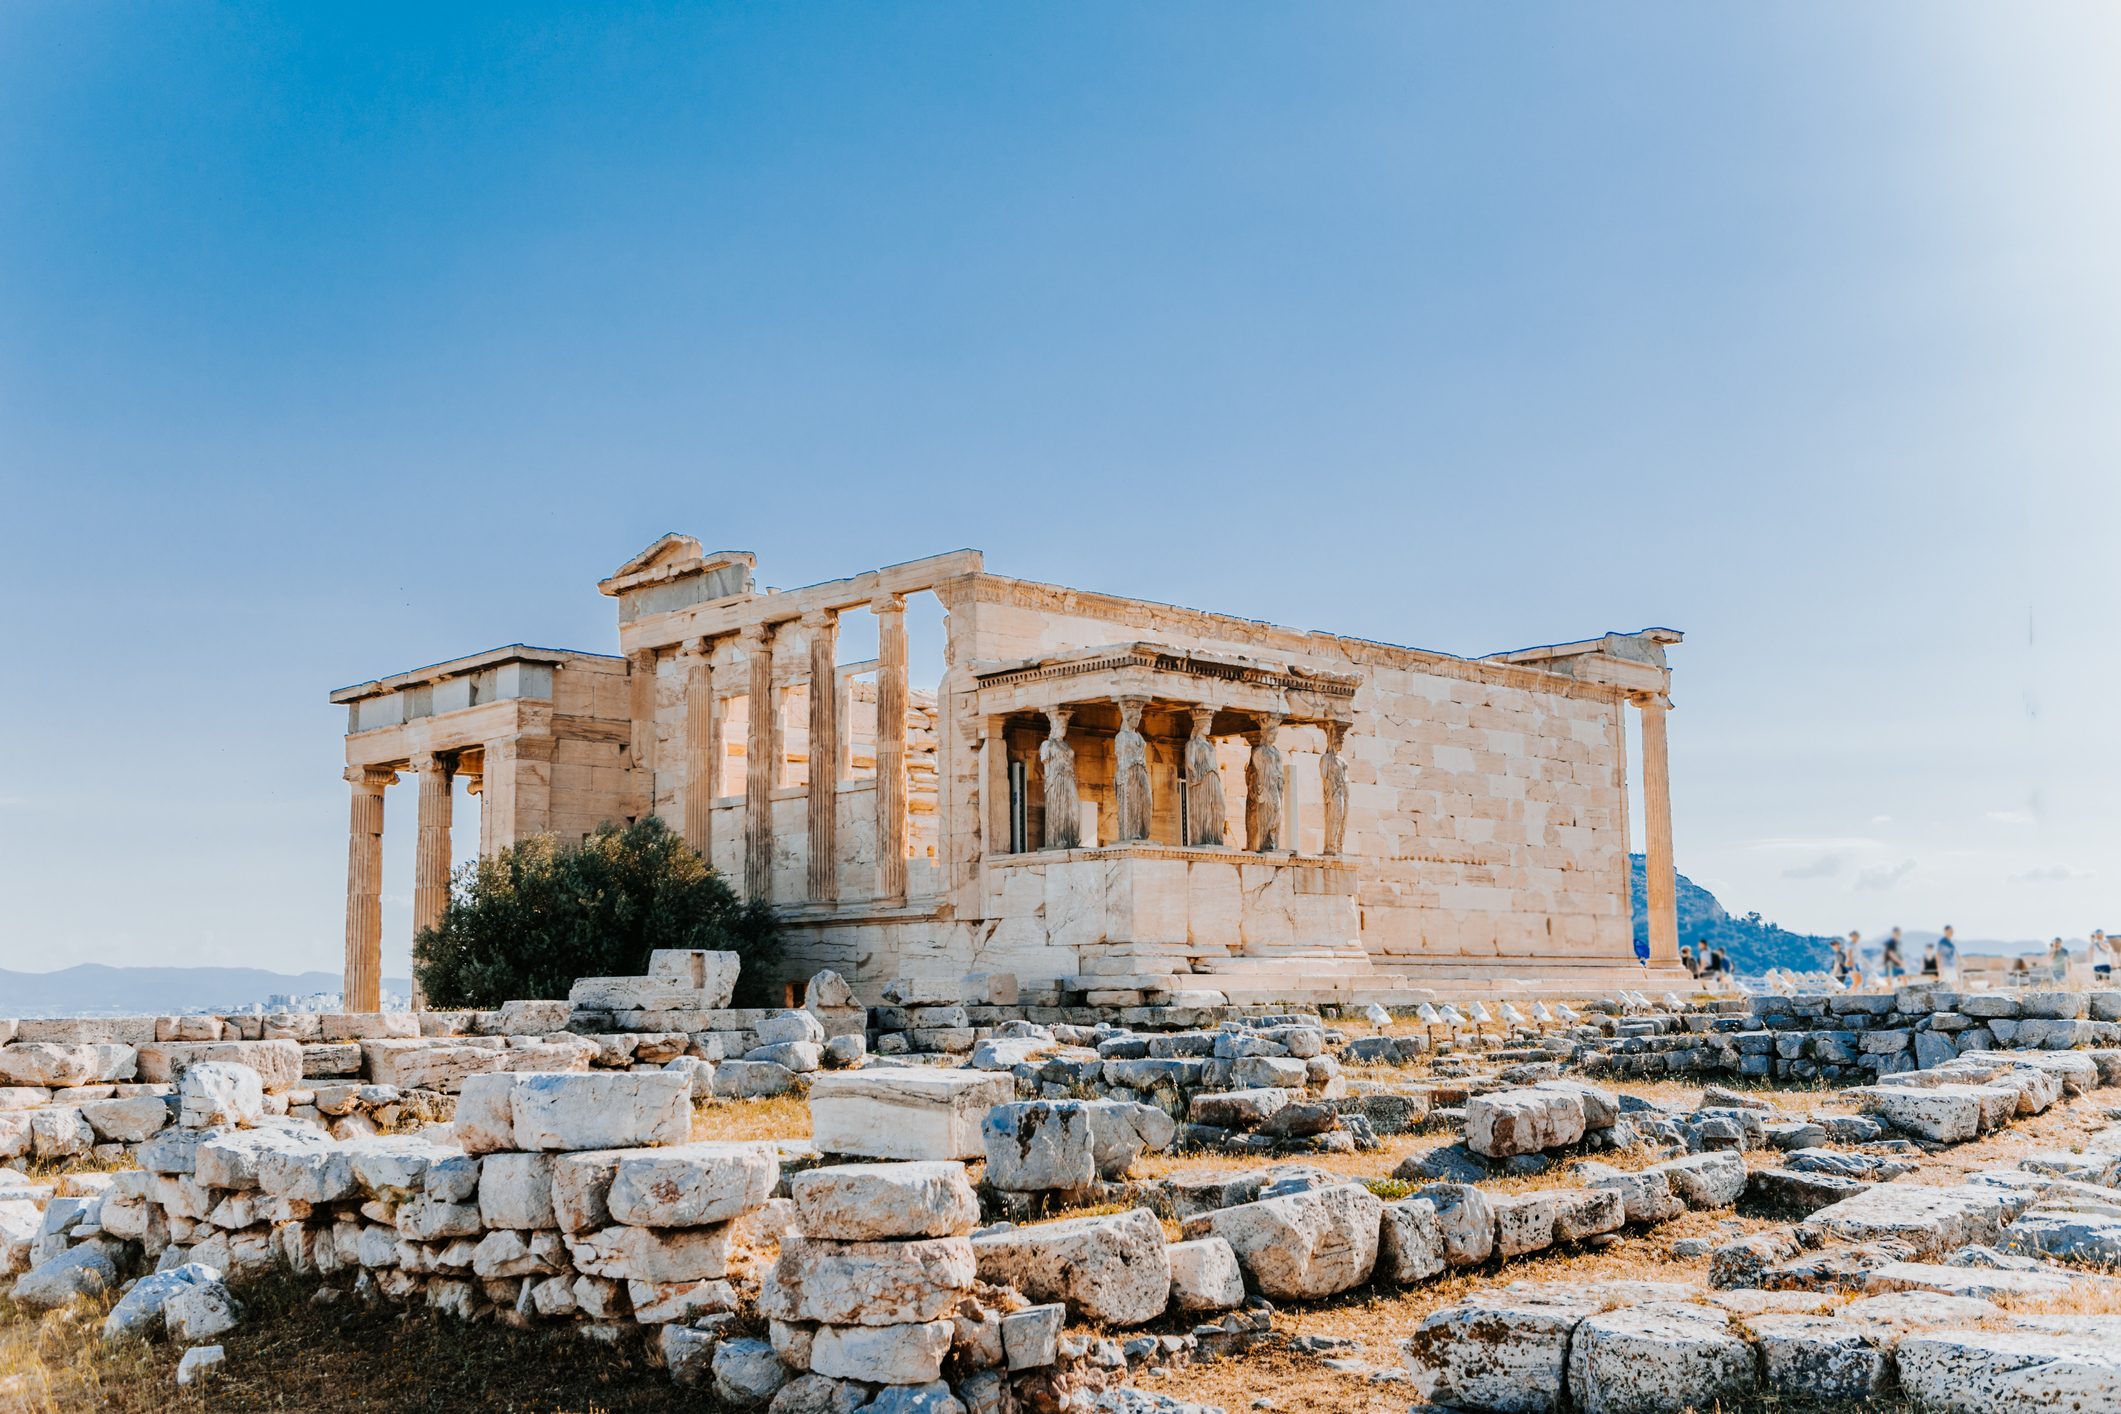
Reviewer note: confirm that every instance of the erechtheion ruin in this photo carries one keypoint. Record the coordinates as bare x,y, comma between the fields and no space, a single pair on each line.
1098,788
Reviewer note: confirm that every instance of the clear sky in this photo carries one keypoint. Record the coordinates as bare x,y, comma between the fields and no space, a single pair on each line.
340,339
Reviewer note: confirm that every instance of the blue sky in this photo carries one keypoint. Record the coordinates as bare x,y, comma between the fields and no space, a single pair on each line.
335,340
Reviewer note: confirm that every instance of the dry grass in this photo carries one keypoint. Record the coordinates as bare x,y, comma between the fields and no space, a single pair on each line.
781,1117
291,1355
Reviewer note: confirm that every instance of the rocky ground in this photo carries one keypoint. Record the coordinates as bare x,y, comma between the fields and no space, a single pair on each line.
1646,1244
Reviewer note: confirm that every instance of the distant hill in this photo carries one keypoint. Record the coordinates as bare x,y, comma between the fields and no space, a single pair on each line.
92,989
1752,944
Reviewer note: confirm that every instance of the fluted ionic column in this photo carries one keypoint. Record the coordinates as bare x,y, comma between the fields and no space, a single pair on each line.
890,613
762,758
702,754
363,982
430,870
1660,884
824,772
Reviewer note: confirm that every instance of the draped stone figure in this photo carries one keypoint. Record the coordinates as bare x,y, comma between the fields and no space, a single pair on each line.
1206,814
1056,760
1263,787
1130,760
1333,774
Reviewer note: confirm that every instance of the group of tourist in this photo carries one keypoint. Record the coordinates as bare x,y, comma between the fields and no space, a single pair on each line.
1705,962
1940,961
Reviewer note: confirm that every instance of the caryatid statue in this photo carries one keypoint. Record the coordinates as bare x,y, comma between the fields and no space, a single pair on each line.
1206,814
1056,761
1263,787
1333,775
1130,762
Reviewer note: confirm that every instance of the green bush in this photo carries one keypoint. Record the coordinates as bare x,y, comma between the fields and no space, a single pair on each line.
524,923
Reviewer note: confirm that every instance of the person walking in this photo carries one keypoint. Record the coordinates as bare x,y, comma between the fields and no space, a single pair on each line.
1947,957
2057,961
1841,962
1689,961
1929,963
1891,964
2102,954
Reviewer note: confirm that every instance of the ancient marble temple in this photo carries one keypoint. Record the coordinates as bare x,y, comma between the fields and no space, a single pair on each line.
1078,786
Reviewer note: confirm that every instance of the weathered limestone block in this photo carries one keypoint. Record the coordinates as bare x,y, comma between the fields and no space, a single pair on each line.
139,1311
229,1159
1524,1222
1236,1109
305,1173
366,1025
1039,1145
1121,1130
713,975
1587,1212
1205,1275
795,1057
692,1185
126,1121
40,1063
1601,1108
1659,1359
1111,1269
515,1191
217,1092
868,1202
278,1063
891,1355
393,1168
1504,1351
755,1080
601,1111
1303,1245
1930,1219
652,1255
59,1133
85,1270
2083,1238
2071,1364
905,1114
1466,1220
1713,1180
1819,1358
868,1283
1511,1122
1646,1195
485,1116
199,1311
432,1065
1410,1244
1947,1114
326,1062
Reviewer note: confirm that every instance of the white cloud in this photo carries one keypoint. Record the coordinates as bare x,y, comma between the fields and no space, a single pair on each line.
1881,819
2050,874
1884,876
1813,845
1824,867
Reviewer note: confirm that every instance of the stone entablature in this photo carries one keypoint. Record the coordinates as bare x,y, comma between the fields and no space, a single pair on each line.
1470,813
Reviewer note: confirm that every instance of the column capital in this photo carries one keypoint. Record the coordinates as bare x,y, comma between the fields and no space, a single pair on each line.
888,603
754,634
1651,701
370,778
426,761
820,618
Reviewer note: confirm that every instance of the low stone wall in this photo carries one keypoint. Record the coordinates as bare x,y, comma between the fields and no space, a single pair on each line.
1847,1039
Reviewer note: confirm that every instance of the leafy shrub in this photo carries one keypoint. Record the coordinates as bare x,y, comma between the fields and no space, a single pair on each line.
524,923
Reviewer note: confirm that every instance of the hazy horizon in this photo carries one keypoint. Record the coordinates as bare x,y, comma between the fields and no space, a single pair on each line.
345,340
